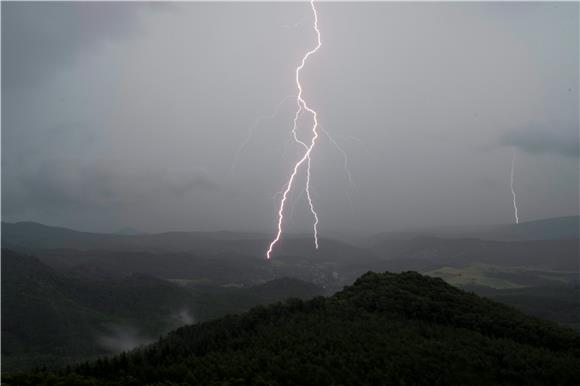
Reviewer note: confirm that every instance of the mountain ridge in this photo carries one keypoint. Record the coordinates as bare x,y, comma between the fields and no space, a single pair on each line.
553,228
32,234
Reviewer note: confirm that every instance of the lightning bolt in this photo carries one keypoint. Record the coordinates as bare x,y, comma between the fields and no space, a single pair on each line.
345,166
302,106
343,153
512,186
299,22
251,130
346,171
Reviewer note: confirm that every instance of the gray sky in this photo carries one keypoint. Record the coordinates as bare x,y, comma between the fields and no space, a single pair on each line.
129,114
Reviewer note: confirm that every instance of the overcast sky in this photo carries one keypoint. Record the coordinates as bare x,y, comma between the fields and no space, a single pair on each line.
131,114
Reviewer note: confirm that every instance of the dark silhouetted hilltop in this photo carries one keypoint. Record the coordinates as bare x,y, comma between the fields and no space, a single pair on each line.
384,329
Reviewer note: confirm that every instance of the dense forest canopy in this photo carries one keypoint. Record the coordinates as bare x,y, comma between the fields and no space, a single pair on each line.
384,329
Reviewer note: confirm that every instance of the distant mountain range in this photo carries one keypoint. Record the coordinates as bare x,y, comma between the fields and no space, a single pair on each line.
129,231
229,258
38,236
384,329
557,228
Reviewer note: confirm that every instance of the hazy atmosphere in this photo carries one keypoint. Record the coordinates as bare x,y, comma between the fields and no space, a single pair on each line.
134,115
290,193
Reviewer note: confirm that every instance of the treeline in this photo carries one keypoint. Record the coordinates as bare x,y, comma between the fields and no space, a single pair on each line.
403,329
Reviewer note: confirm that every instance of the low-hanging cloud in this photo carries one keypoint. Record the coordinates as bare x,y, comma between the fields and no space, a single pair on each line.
125,337
556,138
181,318
62,184
122,338
38,40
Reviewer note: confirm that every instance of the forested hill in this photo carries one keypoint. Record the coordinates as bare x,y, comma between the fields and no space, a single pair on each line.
50,319
384,329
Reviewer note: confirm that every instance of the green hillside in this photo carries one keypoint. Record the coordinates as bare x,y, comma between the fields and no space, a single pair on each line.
384,329
50,319
41,323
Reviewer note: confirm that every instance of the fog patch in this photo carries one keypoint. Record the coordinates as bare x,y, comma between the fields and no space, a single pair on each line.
122,338
181,318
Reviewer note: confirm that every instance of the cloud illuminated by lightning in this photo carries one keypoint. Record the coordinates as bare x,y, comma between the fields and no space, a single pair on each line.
302,106
512,186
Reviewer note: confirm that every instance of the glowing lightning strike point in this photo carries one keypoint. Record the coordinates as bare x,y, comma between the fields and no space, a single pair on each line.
302,105
512,186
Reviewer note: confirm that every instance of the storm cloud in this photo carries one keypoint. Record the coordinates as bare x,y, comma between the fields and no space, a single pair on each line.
130,114
557,138
71,184
41,39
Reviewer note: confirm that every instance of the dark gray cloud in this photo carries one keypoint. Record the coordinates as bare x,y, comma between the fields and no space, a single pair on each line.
556,138
125,114
41,39
72,184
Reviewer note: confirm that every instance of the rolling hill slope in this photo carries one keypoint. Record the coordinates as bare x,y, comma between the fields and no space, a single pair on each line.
51,319
384,329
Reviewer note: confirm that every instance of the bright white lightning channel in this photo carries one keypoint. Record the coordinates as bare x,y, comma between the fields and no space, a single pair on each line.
512,186
302,106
